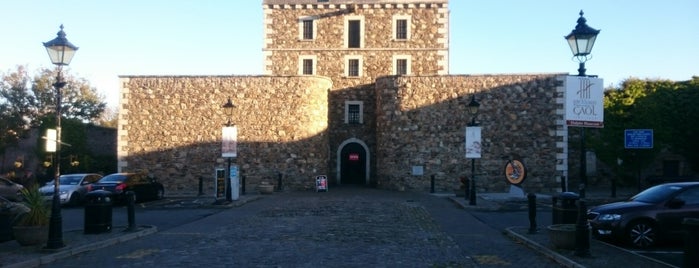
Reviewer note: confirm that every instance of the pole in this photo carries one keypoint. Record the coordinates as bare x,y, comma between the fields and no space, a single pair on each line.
583,164
472,195
432,183
55,239
229,190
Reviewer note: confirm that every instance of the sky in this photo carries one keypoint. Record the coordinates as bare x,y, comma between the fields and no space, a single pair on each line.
647,39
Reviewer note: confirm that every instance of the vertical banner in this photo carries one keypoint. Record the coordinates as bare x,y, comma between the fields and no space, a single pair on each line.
229,148
51,137
473,142
584,101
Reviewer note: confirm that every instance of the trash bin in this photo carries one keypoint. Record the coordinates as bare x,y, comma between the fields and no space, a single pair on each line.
567,211
98,212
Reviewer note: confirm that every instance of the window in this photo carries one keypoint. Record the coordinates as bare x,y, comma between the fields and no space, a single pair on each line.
307,65
401,65
354,31
353,66
401,27
307,28
353,112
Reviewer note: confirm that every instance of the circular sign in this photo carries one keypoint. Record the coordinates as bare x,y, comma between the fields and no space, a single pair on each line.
515,171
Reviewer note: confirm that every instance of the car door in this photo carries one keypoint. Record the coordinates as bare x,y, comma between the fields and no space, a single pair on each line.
686,205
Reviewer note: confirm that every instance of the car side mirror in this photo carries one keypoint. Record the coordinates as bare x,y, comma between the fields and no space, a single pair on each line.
676,203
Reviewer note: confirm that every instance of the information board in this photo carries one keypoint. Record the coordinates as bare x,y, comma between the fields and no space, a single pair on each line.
638,138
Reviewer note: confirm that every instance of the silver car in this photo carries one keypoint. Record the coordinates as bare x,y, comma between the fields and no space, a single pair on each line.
10,190
72,189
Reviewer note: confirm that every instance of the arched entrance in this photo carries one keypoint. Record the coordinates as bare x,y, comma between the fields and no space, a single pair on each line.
353,162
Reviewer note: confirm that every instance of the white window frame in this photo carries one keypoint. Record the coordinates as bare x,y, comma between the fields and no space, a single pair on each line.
408,69
407,27
315,27
361,111
361,65
313,58
361,30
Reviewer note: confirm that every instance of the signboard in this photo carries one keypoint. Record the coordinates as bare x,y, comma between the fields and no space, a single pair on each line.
233,180
354,157
229,146
418,170
473,142
515,172
220,183
638,139
321,183
584,102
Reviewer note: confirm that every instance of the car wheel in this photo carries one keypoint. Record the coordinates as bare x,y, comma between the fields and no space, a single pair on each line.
160,195
641,234
74,200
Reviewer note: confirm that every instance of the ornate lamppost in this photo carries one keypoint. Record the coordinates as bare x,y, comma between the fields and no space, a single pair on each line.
61,53
230,150
472,107
581,40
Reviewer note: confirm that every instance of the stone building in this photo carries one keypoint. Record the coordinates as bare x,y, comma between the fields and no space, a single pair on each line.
356,90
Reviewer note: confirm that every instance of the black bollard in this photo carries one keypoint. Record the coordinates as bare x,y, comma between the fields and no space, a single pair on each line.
582,232
613,188
531,197
564,187
691,242
279,182
131,200
555,211
242,185
432,184
201,186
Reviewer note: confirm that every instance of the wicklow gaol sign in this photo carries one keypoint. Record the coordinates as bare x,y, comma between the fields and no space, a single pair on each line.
584,102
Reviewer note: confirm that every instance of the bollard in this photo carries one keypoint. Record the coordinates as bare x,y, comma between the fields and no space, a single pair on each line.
242,186
582,232
613,188
432,184
531,197
279,182
691,242
564,187
201,186
131,200
555,217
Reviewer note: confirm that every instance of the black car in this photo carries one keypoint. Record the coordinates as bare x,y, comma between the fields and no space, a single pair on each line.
653,215
143,187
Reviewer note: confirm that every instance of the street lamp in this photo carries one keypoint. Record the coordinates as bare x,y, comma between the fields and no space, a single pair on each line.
61,53
473,110
581,40
228,108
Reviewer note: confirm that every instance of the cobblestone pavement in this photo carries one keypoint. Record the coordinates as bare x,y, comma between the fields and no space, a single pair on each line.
347,227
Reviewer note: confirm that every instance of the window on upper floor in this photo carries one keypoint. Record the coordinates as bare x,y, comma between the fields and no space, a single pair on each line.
307,65
401,27
353,66
307,28
353,112
401,64
354,31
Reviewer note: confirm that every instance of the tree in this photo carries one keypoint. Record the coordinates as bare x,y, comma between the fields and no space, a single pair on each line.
17,108
79,100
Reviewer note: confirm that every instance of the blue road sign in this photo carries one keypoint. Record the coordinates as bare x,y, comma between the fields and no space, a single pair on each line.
638,139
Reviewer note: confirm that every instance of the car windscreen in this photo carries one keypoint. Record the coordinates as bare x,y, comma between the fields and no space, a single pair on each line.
70,180
656,194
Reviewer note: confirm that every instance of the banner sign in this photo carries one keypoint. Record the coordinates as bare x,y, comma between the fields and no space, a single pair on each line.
473,142
584,102
229,148
51,137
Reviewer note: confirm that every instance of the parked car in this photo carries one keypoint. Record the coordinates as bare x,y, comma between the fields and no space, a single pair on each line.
10,190
651,216
144,187
72,188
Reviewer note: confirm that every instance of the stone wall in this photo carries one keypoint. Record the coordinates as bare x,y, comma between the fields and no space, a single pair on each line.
171,127
421,122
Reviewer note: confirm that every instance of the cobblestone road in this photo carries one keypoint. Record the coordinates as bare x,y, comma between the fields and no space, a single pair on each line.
341,228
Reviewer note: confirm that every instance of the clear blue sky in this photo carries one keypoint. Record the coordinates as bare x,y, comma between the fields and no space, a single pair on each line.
639,38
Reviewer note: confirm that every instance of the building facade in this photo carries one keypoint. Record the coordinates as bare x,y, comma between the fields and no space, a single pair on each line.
359,91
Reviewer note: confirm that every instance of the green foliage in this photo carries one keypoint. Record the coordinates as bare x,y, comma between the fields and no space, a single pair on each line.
668,108
39,211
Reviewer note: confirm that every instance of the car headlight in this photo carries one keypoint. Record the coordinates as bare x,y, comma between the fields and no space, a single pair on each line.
609,217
